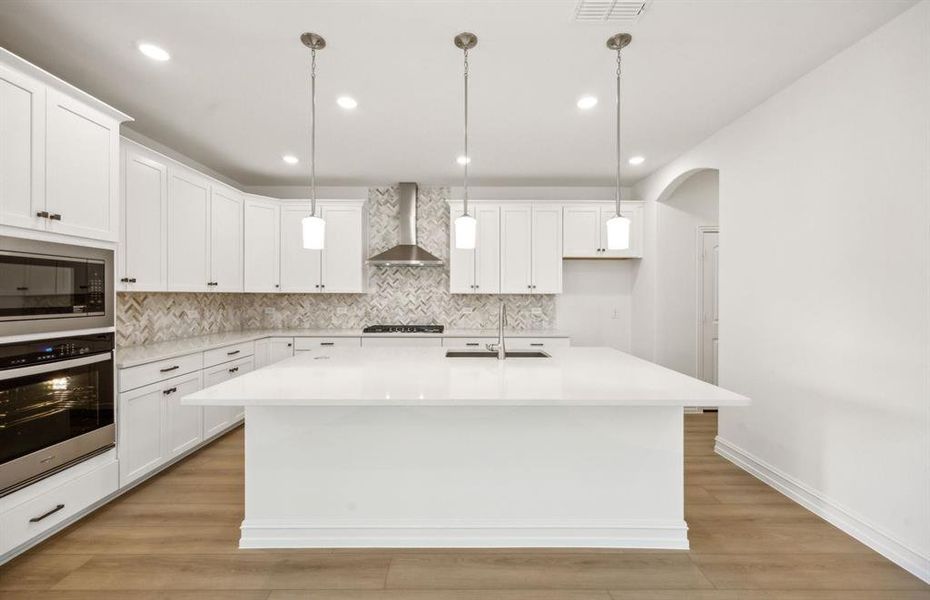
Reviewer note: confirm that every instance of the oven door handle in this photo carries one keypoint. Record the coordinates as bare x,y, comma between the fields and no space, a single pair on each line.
55,366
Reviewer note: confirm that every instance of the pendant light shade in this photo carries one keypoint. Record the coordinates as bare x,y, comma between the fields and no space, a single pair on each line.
314,232
466,227
313,228
466,232
618,233
618,227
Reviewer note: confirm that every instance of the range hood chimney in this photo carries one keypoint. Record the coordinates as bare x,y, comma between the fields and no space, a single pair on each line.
406,253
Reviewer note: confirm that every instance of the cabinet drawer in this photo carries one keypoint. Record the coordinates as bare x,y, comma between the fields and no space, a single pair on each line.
227,353
401,342
526,343
43,512
468,343
312,343
135,377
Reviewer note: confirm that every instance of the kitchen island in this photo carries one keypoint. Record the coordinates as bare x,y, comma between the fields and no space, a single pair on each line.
404,447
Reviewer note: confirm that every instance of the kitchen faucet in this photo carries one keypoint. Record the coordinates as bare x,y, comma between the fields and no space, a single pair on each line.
500,347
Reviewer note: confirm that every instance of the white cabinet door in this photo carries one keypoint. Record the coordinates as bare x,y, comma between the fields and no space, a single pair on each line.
280,348
516,249
188,225
343,263
581,231
22,150
300,268
183,424
634,212
488,250
81,169
219,418
143,247
547,249
261,246
461,262
225,239
141,431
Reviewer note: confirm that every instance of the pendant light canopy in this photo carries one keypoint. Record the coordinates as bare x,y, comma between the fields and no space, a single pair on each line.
466,227
313,227
618,227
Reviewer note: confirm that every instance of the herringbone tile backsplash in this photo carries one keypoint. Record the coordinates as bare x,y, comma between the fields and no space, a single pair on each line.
396,295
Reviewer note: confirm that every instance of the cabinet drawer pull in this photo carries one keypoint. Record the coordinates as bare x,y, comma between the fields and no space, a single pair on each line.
21,289
233,352
169,391
125,280
168,369
48,514
536,344
327,343
132,280
289,345
54,217
472,344
42,214
234,370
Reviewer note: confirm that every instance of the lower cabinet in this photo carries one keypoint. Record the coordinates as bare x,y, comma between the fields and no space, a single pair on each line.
219,418
271,350
154,426
401,342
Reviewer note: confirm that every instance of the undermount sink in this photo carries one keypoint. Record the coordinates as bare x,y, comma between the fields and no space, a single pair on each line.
510,354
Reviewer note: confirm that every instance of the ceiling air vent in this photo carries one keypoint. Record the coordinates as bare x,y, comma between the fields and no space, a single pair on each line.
609,11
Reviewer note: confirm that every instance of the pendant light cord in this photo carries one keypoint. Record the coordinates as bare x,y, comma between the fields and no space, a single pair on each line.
313,132
467,158
618,132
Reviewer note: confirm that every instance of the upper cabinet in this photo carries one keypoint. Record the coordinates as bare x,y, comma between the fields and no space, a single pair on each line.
338,268
477,271
59,155
225,239
143,260
188,231
584,230
261,245
531,249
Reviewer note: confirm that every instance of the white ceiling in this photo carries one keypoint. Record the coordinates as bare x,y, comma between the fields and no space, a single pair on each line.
235,94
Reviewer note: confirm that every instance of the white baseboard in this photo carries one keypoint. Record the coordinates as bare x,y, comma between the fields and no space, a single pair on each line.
829,510
283,534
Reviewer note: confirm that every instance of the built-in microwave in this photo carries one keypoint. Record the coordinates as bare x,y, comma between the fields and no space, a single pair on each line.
49,287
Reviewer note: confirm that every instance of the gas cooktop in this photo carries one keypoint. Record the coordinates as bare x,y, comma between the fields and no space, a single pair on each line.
403,329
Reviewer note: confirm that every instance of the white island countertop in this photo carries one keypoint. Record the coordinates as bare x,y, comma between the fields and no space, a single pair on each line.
576,376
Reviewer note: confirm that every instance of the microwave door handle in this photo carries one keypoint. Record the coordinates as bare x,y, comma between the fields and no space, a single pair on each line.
55,366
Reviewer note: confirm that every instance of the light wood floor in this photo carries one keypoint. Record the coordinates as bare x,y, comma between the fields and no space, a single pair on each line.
175,537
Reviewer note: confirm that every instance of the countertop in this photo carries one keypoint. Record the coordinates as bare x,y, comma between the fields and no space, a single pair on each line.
421,377
130,356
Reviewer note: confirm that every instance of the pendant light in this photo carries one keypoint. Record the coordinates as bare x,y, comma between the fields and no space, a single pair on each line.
618,227
466,226
313,226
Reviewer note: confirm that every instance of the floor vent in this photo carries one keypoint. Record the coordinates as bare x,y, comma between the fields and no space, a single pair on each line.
609,11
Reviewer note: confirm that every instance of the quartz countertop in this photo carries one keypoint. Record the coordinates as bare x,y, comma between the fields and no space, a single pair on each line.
130,356
419,377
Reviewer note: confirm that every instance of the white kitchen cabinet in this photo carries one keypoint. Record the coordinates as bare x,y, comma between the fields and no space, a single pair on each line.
340,267
22,149
261,246
401,342
271,350
188,229
517,249
81,169
547,249
477,271
218,418
225,239
143,255
183,424
302,344
584,233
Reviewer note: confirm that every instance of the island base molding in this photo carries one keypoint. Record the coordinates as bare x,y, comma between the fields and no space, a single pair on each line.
662,536
469,476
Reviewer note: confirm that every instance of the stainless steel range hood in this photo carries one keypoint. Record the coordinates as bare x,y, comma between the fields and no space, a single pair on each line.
406,253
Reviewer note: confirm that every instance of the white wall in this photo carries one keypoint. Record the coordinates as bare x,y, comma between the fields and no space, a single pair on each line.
694,204
824,297
595,305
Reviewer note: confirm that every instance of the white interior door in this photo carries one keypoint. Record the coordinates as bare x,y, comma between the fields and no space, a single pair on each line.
709,309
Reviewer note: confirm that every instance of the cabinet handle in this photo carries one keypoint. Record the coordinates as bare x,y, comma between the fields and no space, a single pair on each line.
289,345
317,286
55,217
277,285
327,343
322,285
234,370
233,353
125,280
133,280
175,367
536,344
43,214
48,514
21,289
169,391
472,344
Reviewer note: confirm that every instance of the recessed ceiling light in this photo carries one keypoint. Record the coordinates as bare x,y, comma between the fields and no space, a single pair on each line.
587,102
154,52
346,102
290,159
636,160
463,160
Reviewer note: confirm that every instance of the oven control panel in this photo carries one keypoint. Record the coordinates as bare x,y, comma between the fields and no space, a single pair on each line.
35,352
